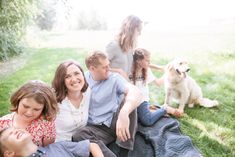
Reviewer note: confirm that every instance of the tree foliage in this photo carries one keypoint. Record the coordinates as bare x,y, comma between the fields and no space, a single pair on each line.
90,21
46,19
14,17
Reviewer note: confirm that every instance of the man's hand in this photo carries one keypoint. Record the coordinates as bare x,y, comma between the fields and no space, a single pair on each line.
132,101
122,126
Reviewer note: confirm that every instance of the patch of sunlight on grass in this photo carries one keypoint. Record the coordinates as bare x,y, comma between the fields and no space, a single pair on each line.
226,68
220,134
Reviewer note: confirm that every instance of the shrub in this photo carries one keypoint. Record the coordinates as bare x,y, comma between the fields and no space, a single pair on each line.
15,15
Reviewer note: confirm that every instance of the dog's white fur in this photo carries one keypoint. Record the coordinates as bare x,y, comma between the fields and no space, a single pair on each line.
181,87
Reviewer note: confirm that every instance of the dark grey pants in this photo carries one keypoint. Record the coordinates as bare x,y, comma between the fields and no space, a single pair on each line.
102,134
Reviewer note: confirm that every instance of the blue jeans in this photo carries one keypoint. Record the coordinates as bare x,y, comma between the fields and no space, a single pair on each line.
146,117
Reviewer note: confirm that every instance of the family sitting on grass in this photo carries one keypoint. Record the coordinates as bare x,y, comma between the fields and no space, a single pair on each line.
103,112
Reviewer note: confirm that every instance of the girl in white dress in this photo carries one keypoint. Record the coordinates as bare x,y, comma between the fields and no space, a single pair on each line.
141,76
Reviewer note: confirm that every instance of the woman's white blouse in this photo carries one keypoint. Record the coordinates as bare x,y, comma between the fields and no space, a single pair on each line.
69,118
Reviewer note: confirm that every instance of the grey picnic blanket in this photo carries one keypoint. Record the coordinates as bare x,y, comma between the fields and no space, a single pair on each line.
163,139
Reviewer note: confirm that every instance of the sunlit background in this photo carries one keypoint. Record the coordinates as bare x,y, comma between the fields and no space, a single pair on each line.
158,14
170,26
37,35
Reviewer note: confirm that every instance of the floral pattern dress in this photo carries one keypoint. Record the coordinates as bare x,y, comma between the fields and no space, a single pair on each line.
39,128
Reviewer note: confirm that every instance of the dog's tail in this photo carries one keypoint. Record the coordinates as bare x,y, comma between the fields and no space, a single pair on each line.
205,102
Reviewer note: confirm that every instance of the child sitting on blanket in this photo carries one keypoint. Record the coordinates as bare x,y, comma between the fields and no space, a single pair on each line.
141,76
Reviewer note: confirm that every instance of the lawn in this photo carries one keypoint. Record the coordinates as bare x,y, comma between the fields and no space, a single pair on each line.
212,130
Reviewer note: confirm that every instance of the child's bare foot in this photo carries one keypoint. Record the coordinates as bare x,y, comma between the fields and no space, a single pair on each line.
173,111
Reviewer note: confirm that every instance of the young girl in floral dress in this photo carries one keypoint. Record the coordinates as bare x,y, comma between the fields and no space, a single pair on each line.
33,109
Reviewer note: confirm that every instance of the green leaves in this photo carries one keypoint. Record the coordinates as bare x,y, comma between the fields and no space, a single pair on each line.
15,15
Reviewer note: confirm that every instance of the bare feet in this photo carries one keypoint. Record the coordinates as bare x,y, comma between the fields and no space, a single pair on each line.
172,111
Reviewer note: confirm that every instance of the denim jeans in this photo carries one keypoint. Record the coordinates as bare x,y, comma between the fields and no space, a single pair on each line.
147,117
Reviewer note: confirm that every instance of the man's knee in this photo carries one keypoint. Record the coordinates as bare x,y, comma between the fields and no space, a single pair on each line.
81,134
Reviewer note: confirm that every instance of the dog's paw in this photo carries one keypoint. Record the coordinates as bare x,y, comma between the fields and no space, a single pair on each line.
191,105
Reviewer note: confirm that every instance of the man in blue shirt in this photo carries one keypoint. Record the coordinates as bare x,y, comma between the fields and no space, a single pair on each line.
18,142
112,101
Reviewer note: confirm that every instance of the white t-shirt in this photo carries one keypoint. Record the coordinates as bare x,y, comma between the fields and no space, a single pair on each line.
69,118
143,87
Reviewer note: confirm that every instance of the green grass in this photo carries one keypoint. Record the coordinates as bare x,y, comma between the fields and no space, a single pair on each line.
41,64
212,130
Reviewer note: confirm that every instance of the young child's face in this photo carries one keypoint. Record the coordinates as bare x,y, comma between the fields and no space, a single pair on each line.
144,63
29,109
15,139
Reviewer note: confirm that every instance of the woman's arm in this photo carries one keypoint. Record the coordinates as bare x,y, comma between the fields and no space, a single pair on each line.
120,71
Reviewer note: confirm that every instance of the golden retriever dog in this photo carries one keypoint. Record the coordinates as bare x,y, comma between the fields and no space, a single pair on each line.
181,87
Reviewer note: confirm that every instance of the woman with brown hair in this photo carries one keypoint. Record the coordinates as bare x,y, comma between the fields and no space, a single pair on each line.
73,97
120,50
72,94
